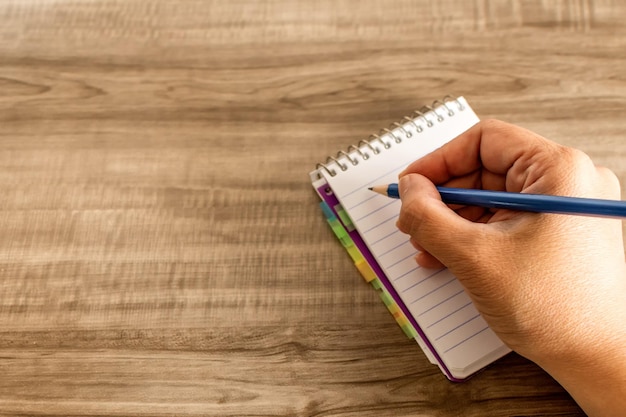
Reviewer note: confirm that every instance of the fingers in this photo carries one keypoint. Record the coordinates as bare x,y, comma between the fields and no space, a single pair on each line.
474,214
425,259
491,146
441,233
416,245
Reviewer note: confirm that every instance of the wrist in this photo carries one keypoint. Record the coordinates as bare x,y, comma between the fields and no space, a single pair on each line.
594,370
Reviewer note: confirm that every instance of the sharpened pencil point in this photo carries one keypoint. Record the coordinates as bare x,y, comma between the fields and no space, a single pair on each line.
370,188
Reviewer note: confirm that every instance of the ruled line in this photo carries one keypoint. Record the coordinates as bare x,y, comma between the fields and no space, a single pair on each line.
395,216
441,302
448,315
411,255
435,290
459,326
423,280
369,213
374,195
396,279
466,339
392,249
395,232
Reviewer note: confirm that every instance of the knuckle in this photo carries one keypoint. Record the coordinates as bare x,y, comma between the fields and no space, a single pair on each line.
575,164
578,158
584,177
608,175
610,181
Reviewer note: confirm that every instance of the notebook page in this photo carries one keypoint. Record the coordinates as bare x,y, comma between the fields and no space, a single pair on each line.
435,298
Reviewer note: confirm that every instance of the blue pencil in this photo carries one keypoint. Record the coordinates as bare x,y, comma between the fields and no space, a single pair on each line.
538,203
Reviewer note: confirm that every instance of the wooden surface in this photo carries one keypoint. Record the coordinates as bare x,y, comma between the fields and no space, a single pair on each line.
161,249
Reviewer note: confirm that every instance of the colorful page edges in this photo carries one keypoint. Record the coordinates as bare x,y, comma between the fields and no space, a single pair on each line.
339,228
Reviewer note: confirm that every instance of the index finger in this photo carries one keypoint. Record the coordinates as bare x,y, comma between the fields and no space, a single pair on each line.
491,144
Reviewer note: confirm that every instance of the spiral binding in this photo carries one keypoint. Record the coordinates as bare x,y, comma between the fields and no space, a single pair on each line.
421,119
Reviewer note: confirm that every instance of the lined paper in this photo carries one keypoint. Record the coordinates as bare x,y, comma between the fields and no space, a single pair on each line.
435,298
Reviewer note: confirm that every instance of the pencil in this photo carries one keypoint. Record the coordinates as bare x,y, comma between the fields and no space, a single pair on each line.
538,203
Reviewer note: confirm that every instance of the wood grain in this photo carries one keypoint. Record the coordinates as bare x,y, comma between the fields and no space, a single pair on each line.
161,249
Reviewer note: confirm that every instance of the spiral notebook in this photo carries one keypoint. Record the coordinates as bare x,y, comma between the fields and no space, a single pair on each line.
430,305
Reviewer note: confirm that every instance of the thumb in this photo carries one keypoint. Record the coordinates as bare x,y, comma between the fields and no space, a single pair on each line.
431,224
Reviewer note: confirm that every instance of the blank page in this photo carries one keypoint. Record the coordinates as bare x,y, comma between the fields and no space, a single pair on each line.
435,298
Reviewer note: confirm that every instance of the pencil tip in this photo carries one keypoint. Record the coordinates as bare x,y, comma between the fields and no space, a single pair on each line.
370,188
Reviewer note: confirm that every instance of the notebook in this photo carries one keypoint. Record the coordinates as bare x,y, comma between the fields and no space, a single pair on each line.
430,305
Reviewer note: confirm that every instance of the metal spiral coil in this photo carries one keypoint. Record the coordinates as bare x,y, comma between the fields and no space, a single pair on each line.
428,115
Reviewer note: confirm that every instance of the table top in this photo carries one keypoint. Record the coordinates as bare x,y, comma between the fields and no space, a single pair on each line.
161,247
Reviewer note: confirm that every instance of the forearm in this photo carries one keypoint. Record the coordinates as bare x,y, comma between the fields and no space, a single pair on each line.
594,371
599,391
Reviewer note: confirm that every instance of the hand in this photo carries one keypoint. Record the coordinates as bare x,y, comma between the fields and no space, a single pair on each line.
553,287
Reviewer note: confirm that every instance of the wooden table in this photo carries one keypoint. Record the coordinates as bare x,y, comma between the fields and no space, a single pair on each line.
161,248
